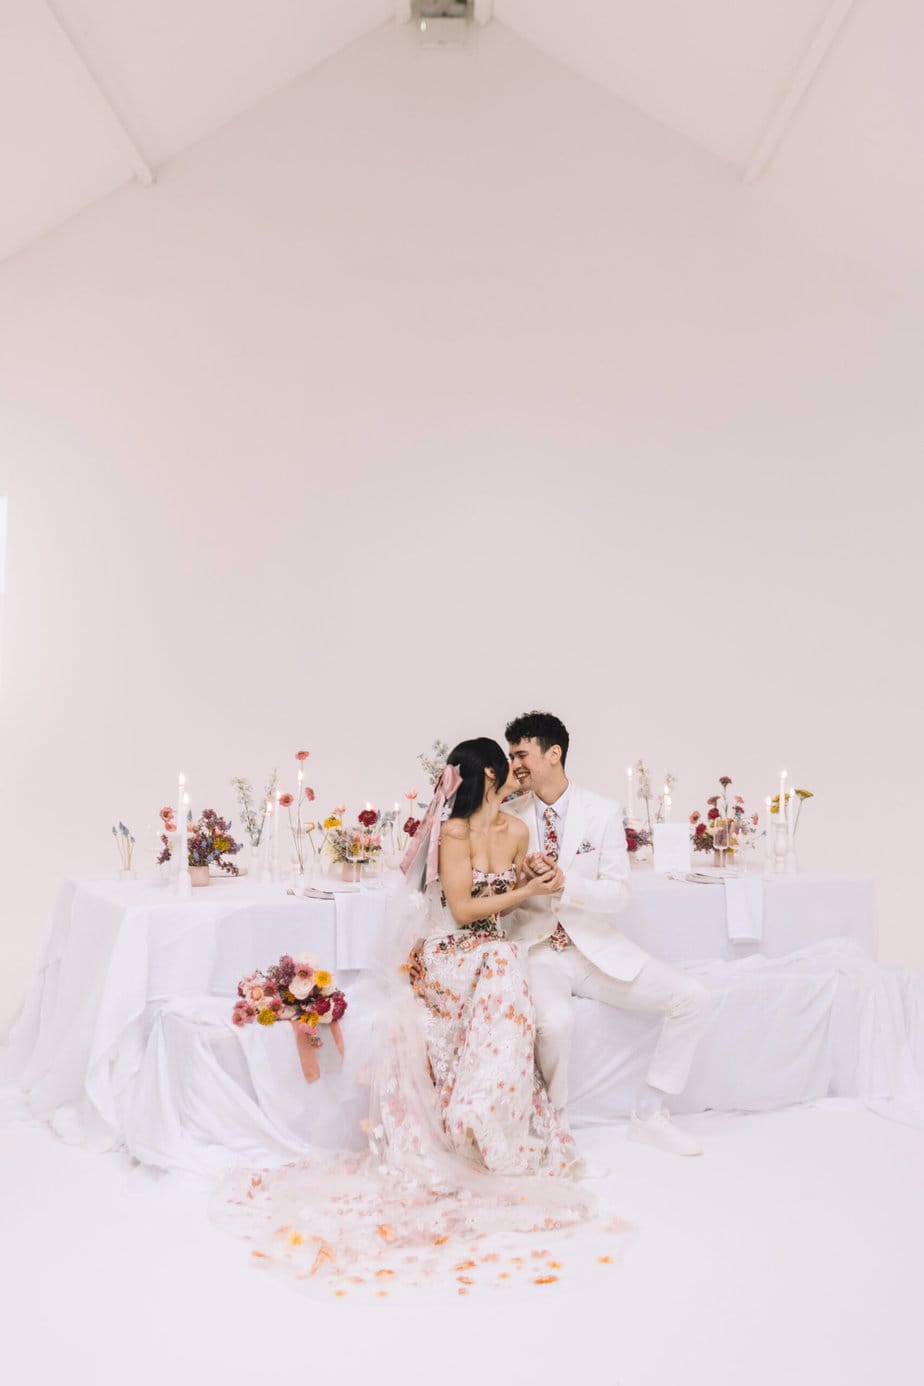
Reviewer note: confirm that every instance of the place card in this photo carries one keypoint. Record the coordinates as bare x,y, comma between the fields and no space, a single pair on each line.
671,847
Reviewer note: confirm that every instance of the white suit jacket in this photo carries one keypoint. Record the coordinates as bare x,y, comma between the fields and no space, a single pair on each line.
593,857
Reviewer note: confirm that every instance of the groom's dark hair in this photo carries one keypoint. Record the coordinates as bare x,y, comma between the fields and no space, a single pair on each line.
543,727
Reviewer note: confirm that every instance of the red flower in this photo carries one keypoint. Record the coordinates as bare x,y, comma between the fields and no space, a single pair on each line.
713,814
321,1004
411,826
302,755
700,829
368,818
339,1004
631,840
309,794
713,800
724,781
285,800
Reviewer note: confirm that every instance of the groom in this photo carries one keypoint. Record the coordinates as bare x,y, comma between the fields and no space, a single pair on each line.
575,948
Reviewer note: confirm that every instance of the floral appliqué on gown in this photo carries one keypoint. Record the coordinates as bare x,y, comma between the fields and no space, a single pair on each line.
480,1038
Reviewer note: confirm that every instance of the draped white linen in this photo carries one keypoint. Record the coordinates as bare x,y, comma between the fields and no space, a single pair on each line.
126,1037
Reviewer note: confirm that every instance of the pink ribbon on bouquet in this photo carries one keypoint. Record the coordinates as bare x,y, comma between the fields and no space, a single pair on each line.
427,836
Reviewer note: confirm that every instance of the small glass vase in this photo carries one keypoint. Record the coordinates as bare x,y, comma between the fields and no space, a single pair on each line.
199,875
351,870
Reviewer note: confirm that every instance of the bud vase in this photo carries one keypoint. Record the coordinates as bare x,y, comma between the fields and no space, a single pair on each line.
351,870
199,875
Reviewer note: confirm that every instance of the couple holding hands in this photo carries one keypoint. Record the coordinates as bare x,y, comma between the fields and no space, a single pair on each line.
522,897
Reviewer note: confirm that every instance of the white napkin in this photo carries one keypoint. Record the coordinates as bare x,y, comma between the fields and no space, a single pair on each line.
744,909
360,919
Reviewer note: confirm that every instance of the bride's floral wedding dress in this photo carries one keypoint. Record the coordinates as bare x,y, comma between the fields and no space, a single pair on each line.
480,1043
469,1170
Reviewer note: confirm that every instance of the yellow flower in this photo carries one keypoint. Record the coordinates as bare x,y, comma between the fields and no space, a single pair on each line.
322,978
804,793
332,822
266,1017
310,827
312,1021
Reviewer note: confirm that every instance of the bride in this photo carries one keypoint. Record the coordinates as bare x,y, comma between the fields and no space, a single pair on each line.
477,1018
464,1148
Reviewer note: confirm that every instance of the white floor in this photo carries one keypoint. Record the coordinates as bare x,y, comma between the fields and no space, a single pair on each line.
790,1253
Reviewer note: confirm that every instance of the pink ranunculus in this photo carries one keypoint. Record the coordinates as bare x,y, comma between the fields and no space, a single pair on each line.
302,755
339,809
286,800
694,816
410,794
310,794
376,839
255,993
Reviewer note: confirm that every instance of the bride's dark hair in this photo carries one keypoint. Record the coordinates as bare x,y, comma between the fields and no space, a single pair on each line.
473,758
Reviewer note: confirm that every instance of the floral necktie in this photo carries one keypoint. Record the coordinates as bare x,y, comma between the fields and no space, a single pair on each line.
559,940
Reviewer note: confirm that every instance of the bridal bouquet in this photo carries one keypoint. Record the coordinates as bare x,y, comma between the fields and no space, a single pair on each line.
293,989
726,825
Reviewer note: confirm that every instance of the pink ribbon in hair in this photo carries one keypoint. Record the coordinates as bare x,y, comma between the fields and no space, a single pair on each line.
427,836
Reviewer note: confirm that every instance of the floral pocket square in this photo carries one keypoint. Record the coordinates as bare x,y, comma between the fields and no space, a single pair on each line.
586,847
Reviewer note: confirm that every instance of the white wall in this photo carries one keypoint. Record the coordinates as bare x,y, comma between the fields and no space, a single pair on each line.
438,387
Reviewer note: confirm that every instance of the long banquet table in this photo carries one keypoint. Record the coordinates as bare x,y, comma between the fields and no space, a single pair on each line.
123,958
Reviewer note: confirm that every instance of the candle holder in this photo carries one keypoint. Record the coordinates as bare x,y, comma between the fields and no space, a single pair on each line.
780,846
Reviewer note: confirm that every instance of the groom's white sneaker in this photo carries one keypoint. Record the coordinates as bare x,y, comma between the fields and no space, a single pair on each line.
660,1131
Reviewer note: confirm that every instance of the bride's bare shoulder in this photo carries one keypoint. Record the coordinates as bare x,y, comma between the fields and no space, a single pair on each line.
455,829
515,826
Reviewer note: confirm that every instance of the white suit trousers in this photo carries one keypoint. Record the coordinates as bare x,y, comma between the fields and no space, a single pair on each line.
555,977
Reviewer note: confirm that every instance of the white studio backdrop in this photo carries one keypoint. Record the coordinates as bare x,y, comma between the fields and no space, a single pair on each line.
438,387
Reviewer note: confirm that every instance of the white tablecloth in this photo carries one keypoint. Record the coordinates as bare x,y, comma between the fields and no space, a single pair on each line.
115,949
681,922
126,1033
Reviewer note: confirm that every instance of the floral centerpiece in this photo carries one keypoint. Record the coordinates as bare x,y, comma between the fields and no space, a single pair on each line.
726,826
302,830
354,847
639,828
125,843
253,819
297,990
208,841
433,764
792,807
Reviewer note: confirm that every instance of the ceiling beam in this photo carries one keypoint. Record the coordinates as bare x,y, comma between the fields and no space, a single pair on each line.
140,166
801,80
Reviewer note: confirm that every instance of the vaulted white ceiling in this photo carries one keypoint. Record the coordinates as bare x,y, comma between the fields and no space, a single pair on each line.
819,99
